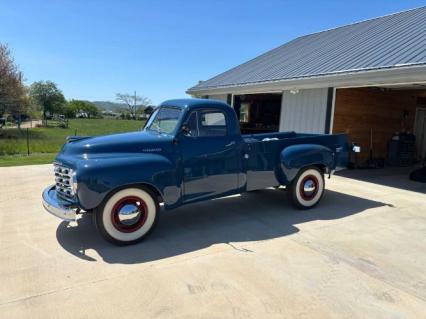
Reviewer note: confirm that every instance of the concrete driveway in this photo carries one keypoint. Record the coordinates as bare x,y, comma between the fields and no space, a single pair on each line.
360,254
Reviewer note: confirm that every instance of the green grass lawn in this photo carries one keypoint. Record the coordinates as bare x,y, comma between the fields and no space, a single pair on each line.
45,142
33,159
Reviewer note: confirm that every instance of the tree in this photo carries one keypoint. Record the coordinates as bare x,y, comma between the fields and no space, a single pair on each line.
47,96
91,109
148,110
71,109
134,102
12,92
76,106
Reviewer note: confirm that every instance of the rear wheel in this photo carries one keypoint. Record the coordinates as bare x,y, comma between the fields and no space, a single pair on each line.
127,216
307,188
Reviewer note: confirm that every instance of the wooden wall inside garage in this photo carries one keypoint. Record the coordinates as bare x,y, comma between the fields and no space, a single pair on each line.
359,110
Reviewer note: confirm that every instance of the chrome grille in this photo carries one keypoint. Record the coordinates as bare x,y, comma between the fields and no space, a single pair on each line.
63,176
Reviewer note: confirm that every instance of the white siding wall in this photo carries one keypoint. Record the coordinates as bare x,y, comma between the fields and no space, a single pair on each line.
304,112
221,97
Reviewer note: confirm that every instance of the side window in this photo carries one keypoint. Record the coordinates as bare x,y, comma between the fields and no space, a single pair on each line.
212,123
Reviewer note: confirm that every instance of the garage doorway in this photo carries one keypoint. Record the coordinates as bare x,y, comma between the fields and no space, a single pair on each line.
383,121
258,113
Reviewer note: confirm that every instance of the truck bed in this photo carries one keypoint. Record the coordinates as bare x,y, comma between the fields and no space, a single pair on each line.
264,153
262,137
283,139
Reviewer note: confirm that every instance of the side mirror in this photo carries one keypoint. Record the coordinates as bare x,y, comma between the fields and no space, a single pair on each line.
186,130
356,148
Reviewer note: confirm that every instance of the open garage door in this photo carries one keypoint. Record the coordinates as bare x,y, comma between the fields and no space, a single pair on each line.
258,113
382,120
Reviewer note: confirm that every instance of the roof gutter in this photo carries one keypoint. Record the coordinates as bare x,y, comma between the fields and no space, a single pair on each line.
402,74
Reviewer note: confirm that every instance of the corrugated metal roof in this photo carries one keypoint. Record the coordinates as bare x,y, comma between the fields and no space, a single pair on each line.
386,42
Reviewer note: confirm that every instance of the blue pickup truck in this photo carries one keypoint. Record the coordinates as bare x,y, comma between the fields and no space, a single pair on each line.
189,150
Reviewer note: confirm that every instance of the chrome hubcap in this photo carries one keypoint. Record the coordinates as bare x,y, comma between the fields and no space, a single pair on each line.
309,187
129,214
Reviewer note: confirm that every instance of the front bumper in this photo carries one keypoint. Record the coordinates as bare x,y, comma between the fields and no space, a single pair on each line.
57,206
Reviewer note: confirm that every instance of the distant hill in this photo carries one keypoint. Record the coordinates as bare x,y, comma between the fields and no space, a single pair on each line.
109,106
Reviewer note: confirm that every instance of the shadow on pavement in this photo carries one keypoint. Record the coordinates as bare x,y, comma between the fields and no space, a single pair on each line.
252,216
397,177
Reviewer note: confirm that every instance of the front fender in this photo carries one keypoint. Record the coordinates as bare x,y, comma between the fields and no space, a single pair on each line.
295,157
99,176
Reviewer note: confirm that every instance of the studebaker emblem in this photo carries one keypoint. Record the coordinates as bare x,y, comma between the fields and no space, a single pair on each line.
150,150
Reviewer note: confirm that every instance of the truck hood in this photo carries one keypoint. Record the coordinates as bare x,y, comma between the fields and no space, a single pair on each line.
133,142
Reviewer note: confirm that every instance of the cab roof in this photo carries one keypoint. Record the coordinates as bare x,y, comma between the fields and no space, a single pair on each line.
186,103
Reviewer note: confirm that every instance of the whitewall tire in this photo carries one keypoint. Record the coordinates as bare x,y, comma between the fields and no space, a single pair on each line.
307,188
127,216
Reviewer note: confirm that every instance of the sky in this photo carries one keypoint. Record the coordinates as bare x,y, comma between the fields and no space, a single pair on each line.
94,49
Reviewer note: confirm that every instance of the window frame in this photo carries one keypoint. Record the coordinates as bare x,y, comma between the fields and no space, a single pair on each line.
196,123
198,113
207,110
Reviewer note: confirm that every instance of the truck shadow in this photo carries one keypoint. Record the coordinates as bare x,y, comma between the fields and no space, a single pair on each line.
254,216
397,177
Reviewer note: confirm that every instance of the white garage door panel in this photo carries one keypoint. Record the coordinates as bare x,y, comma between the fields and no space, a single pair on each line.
220,97
304,111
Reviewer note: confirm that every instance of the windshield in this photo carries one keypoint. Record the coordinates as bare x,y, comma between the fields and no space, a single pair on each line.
164,120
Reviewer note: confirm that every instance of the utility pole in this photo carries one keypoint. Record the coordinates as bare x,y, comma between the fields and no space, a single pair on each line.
19,106
44,110
134,107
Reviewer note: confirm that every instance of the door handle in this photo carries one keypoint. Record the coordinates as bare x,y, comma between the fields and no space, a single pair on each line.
230,144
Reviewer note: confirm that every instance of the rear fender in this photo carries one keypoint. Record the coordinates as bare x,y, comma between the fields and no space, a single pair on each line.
295,157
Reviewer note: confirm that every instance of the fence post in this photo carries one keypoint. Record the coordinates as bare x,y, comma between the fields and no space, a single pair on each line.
28,143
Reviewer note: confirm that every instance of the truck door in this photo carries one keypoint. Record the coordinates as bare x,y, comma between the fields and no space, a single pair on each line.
210,155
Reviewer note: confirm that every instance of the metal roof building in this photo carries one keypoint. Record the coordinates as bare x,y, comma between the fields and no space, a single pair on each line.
391,42
366,79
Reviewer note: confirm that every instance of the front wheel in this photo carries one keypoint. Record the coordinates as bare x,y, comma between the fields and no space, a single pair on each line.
307,188
127,216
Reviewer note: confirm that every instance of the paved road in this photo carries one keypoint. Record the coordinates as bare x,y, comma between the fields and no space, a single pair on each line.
359,254
29,124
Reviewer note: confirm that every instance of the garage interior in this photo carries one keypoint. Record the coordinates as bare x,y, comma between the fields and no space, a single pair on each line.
388,123
258,113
